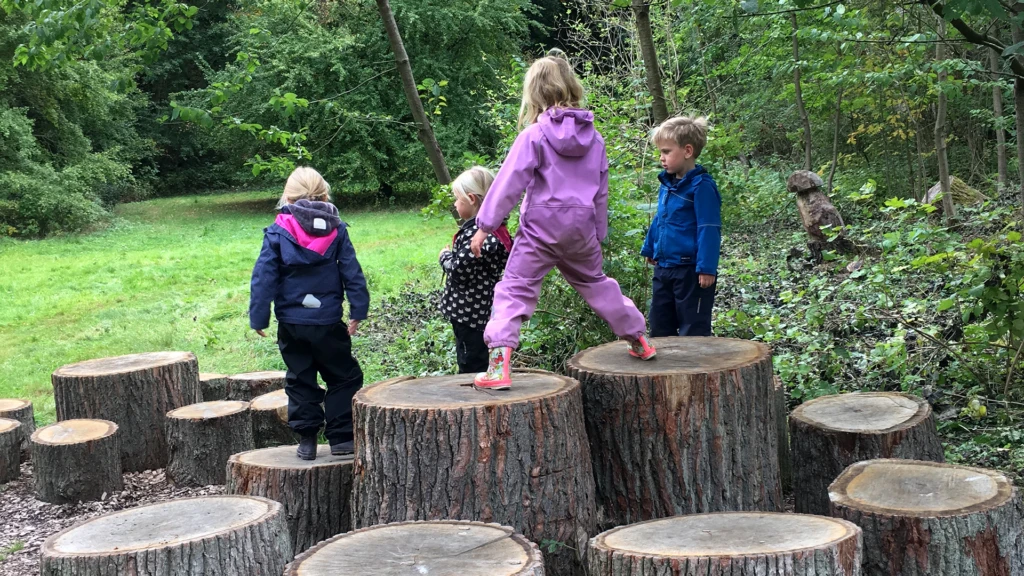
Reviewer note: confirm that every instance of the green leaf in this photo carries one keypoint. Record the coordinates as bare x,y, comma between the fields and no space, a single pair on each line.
945,304
1013,236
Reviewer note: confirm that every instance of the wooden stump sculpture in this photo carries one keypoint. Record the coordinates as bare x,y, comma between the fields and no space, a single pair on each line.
444,548
435,448
316,494
20,410
249,385
828,434
928,518
782,424
77,461
692,431
10,449
135,392
201,437
270,420
729,544
212,386
214,535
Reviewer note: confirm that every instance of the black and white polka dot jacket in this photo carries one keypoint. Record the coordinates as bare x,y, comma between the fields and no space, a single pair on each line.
469,287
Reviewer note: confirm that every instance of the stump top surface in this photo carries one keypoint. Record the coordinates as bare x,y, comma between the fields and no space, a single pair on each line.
726,534
270,401
453,392
915,488
74,431
208,410
124,364
265,375
284,457
8,404
677,355
160,525
7,424
863,411
207,376
417,548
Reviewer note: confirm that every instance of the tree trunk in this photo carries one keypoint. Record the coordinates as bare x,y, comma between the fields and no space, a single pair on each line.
948,208
927,518
832,432
135,392
212,386
435,448
20,410
76,461
245,387
835,141
201,438
782,429
712,99
270,420
922,169
642,13
10,449
997,111
693,432
804,119
1018,105
187,537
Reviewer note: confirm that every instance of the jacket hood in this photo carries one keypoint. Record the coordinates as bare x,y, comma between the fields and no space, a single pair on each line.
666,178
316,218
570,131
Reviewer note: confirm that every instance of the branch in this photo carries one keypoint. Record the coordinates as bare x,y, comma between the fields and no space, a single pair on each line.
975,37
791,10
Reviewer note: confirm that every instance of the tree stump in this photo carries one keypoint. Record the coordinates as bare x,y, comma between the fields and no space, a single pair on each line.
76,461
316,494
444,548
213,535
270,420
689,432
212,386
729,544
135,392
782,424
250,385
435,448
20,410
201,438
10,449
828,434
928,518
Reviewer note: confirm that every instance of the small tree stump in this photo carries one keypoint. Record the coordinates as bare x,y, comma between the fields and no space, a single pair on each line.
828,434
20,410
10,449
213,535
270,420
212,386
692,431
201,438
435,448
316,494
929,518
782,423
135,392
76,461
250,385
729,544
444,548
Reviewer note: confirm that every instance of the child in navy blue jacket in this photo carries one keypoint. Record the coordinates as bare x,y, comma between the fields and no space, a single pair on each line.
685,237
307,267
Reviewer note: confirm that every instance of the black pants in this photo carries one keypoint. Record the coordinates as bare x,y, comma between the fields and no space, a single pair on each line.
679,306
328,350
470,350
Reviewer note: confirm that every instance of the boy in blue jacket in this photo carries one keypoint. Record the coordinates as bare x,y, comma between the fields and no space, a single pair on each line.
306,267
685,237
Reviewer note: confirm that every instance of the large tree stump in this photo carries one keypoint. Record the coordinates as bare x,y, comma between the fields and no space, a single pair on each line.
76,461
270,420
932,519
201,437
213,535
20,410
10,449
212,386
135,392
316,494
435,448
729,544
248,386
782,427
828,434
445,548
692,431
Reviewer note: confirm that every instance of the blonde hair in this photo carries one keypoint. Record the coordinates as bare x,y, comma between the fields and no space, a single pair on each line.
550,83
683,130
305,183
477,181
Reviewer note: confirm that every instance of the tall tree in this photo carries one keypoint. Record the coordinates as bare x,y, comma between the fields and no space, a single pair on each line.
997,111
948,207
804,119
1018,104
642,13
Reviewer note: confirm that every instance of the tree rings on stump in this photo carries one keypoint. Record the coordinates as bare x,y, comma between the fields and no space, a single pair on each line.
76,461
251,384
135,392
10,449
829,433
201,437
20,410
270,420
316,494
236,535
444,548
692,431
729,544
929,518
212,386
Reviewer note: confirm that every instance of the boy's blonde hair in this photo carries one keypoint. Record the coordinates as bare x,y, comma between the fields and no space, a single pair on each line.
550,83
305,183
477,181
683,130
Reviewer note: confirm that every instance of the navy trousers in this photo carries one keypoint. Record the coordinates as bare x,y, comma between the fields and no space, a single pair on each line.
470,350
679,306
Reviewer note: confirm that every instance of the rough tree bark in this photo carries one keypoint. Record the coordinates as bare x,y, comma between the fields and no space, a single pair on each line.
201,438
10,449
1018,106
270,420
642,13
212,386
948,207
782,429
247,386
804,119
997,111
76,461
20,410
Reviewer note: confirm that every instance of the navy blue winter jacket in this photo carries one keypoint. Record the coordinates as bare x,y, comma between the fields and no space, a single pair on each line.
687,230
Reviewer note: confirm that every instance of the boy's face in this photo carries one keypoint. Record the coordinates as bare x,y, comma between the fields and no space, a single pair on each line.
676,159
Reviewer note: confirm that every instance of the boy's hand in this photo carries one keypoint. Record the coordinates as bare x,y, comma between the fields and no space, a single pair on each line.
651,261
261,333
477,243
706,280
353,326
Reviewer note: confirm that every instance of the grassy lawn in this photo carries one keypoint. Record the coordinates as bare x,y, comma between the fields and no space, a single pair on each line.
173,274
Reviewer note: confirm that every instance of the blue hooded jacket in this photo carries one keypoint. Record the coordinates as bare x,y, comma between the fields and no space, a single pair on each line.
687,230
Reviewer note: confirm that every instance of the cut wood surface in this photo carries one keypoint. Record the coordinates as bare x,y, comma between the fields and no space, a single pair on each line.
135,392
215,535
76,461
212,386
693,430
249,385
20,410
444,548
10,449
201,437
270,420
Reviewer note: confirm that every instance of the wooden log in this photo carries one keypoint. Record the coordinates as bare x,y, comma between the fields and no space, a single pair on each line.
729,544
270,420
782,423
929,518
76,461
10,449
20,410
213,535
435,448
201,437
829,433
212,386
316,494
251,384
135,392
692,431
446,547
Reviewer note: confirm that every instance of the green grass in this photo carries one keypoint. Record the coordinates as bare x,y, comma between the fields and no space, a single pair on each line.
173,274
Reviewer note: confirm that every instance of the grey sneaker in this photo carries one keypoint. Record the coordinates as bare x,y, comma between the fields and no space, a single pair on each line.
343,448
307,448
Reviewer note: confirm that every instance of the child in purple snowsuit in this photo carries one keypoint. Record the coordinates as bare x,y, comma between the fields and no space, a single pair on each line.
559,160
